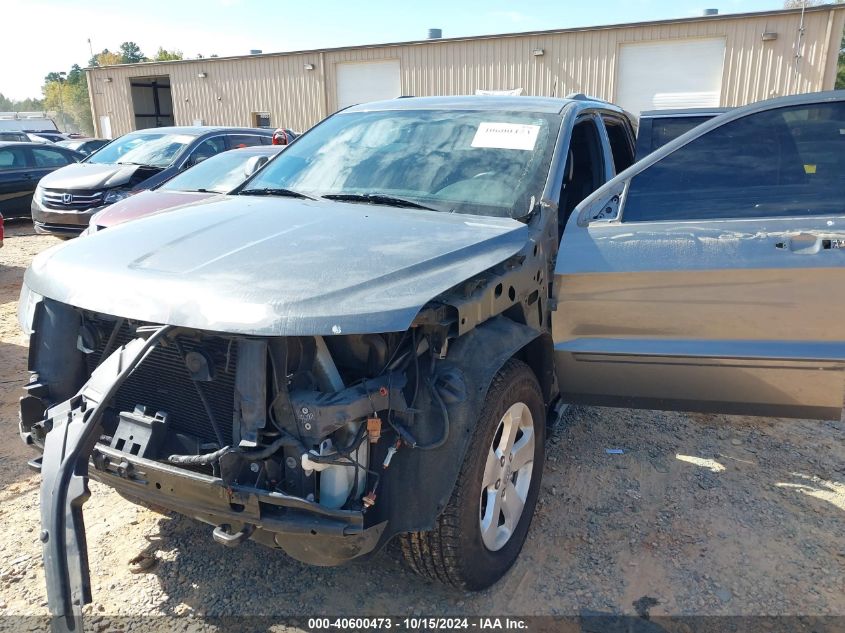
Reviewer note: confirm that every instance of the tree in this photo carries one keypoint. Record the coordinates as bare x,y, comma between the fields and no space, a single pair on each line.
797,4
130,53
55,96
106,58
68,96
68,93
25,105
75,75
164,55
29,105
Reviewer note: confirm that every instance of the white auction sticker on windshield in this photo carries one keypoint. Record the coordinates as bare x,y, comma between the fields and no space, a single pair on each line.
506,136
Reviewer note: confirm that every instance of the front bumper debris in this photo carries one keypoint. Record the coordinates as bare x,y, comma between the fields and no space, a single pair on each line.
305,530
75,426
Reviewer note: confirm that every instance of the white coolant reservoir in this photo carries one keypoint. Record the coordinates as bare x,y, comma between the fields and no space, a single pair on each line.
336,481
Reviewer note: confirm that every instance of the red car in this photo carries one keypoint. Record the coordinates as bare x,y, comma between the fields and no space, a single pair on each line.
217,175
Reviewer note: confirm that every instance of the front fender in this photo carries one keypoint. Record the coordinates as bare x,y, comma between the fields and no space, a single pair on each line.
420,482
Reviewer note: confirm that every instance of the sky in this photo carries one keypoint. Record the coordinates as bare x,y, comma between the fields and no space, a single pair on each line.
233,27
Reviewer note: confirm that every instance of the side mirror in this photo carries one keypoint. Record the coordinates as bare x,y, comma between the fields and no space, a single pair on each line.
254,164
602,206
195,159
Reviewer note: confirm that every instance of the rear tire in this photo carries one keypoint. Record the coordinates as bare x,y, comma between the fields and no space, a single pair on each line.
478,536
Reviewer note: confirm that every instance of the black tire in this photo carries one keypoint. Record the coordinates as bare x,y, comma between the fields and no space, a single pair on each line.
454,552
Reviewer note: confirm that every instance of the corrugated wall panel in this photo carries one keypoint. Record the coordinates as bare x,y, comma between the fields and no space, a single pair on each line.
573,61
231,91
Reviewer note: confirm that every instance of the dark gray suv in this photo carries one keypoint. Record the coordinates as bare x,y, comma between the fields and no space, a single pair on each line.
65,200
367,339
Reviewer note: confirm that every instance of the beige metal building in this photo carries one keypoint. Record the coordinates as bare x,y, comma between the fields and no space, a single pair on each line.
720,60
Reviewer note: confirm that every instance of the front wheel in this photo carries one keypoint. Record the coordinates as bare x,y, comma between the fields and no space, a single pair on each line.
483,527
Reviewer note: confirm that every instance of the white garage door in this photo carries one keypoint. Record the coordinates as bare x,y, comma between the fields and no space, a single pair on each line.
367,81
677,74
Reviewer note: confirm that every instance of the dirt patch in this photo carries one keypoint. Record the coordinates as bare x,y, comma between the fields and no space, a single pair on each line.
21,245
698,515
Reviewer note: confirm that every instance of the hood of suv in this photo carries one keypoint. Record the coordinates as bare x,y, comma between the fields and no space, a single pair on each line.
271,266
84,176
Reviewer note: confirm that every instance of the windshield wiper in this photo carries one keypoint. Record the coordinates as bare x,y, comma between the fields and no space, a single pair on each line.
376,198
270,191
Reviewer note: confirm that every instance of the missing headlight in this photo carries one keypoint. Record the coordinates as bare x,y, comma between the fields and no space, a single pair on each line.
27,304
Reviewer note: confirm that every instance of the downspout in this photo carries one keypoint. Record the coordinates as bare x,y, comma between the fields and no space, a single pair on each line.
798,54
94,118
323,84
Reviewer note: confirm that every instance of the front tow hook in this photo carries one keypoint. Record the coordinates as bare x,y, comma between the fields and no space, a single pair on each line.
226,538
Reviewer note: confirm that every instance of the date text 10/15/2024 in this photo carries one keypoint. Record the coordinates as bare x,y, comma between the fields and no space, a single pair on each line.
418,623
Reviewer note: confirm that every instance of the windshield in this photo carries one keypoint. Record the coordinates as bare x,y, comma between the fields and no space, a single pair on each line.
479,162
156,149
218,174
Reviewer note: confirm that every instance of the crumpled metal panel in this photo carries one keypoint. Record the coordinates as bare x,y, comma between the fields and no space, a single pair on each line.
84,176
275,267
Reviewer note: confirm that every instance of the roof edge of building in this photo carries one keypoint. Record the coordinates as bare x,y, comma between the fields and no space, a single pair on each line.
600,27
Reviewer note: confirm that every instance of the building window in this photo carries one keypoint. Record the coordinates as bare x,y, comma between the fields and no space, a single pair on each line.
261,119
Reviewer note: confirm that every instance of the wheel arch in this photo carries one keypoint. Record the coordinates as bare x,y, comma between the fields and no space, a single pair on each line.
538,354
477,357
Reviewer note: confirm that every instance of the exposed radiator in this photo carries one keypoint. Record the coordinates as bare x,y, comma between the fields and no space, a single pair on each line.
162,383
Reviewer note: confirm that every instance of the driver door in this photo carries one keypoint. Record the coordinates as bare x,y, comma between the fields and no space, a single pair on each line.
709,276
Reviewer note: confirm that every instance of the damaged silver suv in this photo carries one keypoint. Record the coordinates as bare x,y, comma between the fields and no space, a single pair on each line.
368,339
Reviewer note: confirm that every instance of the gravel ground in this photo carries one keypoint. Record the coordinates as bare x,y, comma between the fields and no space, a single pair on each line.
706,515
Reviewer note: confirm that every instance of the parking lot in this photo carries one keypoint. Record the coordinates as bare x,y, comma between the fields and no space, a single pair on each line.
705,514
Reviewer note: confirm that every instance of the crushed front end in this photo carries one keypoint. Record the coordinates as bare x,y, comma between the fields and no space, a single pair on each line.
285,440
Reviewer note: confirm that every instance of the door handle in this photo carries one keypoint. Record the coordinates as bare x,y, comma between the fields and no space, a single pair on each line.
810,243
834,243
